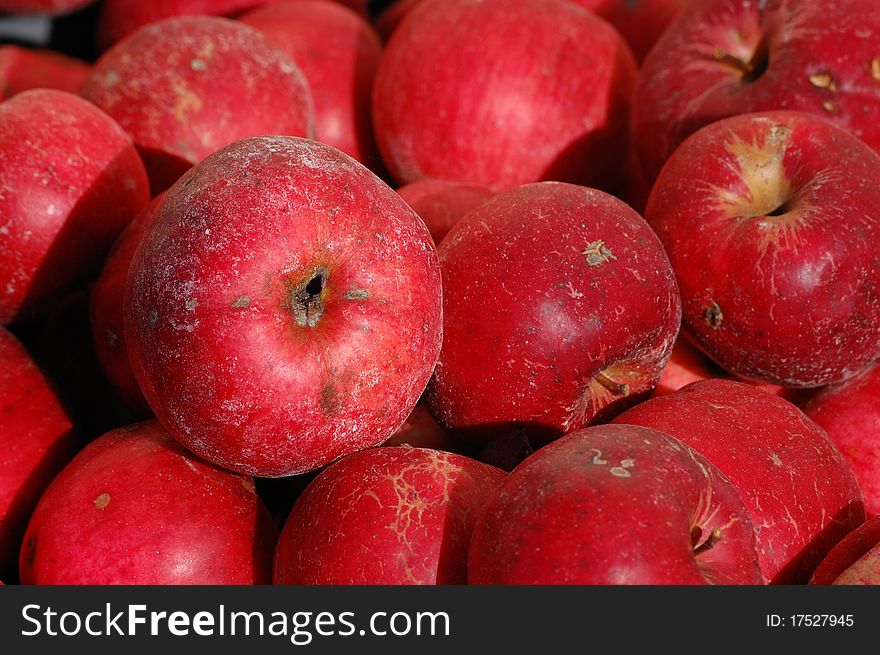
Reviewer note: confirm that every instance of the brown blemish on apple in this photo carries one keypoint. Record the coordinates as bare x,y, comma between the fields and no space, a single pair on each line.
714,316
241,302
830,106
597,458
102,501
329,400
619,472
357,294
875,69
824,80
598,253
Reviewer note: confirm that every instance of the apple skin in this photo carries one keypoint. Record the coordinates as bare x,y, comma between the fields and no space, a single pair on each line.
420,430
22,69
855,560
820,57
686,364
72,180
184,87
504,92
50,7
850,414
386,516
774,249
614,504
106,311
36,441
135,507
338,53
560,307
284,308
640,22
800,491
121,17
441,203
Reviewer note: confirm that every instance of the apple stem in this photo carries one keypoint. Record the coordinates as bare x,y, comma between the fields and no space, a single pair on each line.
614,387
713,539
724,57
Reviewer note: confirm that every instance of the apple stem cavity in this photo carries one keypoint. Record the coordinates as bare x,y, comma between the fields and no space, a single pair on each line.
696,535
613,386
305,300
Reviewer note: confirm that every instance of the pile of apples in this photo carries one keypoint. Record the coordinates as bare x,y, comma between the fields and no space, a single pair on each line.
443,292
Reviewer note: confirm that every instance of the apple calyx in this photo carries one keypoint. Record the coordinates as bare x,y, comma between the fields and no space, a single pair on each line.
305,300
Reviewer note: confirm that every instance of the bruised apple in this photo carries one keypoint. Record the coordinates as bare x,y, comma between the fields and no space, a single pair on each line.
774,248
184,87
441,203
284,307
70,181
727,57
386,516
801,493
614,504
560,307
135,507
504,92
36,441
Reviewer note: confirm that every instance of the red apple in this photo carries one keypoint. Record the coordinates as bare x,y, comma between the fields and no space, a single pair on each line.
184,87
420,430
614,505
106,310
338,53
22,69
284,308
855,560
71,181
388,20
36,441
800,491
121,17
51,7
640,22
441,204
850,413
686,364
728,57
386,516
503,92
774,247
134,507
560,307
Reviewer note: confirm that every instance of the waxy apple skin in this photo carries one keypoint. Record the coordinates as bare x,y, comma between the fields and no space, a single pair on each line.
394,515
184,87
71,181
771,223
560,307
850,414
800,491
504,92
640,22
855,560
728,57
135,507
614,505
284,308
36,441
